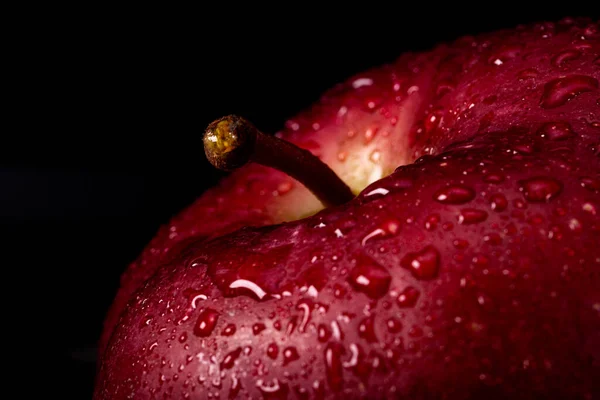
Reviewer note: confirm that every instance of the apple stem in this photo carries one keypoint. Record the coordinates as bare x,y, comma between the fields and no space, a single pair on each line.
232,141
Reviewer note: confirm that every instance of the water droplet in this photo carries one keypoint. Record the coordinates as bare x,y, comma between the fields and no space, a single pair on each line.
540,189
528,73
183,337
290,354
228,330
505,54
391,226
460,244
333,366
486,121
589,207
590,183
443,88
360,82
556,131
378,191
493,239
244,285
272,350
575,225
284,187
370,278
423,264
273,389
520,204
354,357
289,329
415,331
494,178
524,148
236,386
432,221
480,260
498,202
305,307
559,91
323,333
375,156
372,102
470,216
336,331
206,322
258,328
230,358
339,291
412,89
370,235
408,297
454,194
194,296
394,325
366,329
146,321
433,121
565,56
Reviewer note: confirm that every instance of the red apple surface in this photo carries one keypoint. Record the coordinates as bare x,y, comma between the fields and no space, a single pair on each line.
466,267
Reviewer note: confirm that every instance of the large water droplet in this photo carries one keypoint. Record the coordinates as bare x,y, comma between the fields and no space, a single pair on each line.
272,350
290,354
493,239
540,189
366,329
408,297
258,328
470,216
230,358
305,307
559,91
498,202
423,264
244,286
354,357
565,56
454,194
236,386
556,130
590,183
370,278
333,366
206,322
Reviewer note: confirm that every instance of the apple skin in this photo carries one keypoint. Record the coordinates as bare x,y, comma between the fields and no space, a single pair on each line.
471,271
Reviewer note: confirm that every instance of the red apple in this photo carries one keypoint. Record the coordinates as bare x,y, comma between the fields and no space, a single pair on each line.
466,267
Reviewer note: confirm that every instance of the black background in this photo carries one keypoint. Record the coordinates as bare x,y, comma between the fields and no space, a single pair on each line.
107,144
